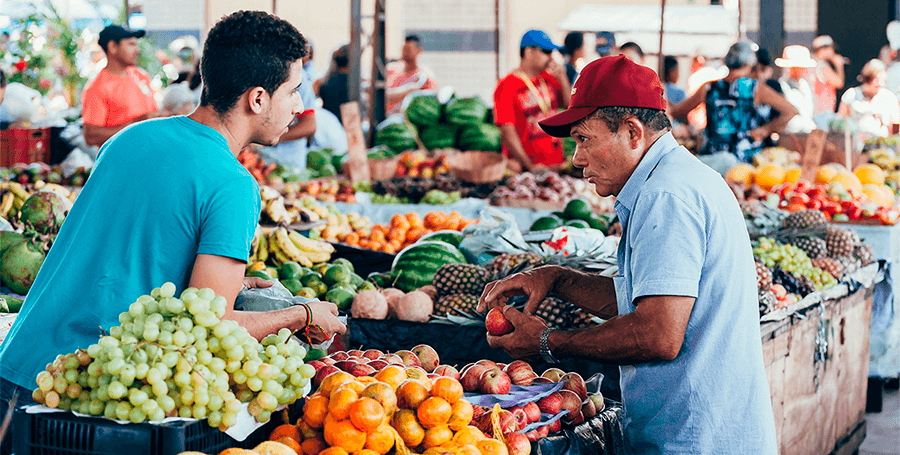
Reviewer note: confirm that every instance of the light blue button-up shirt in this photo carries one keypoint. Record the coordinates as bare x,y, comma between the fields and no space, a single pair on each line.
684,235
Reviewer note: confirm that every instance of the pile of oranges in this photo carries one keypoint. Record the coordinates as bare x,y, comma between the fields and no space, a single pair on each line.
404,230
373,415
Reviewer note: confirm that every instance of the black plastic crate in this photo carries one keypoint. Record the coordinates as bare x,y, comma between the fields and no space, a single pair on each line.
65,433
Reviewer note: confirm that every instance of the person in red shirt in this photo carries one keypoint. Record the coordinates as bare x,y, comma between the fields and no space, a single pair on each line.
406,75
537,89
120,94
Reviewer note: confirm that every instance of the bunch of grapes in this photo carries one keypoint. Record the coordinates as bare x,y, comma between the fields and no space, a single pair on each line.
792,260
175,357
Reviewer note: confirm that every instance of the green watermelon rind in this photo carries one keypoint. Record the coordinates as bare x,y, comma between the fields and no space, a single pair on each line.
398,137
415,265
482,137
452,237
424,111
466,111
438,136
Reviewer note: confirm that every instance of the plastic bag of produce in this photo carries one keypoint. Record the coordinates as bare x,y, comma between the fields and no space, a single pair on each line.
275,297
495,233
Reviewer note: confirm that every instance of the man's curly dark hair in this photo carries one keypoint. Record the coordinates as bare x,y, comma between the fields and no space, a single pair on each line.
247,49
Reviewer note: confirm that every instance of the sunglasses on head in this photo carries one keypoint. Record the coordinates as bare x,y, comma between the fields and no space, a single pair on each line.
546,51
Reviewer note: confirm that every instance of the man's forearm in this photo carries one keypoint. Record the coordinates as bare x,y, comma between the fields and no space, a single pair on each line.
514,145
593,293
97,135
305,127
262,323
622,340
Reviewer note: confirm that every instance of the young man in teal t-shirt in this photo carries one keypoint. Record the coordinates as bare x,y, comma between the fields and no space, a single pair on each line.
168,201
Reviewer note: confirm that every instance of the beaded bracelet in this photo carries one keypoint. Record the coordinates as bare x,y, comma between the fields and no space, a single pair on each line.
307,330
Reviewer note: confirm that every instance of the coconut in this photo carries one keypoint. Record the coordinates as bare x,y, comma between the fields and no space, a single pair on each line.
415,306
430,291
369,305
8,239
45,211
20,267
393,296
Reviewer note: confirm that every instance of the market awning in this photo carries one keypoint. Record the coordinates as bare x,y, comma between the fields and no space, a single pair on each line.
711,30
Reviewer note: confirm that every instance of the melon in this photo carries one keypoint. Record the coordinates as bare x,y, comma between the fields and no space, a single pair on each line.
20,266
45,211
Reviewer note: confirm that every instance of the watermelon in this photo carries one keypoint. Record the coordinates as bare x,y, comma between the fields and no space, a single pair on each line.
315,159
452,237
483,137
416,265
424,111
398,137
466,111
438,137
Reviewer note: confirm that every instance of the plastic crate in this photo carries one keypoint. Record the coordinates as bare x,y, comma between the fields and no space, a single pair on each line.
65,433
24,146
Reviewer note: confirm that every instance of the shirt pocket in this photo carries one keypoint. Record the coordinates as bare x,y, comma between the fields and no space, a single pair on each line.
623,294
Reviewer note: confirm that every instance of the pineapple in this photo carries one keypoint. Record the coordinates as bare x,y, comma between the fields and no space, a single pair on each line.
448,304
804,219
453,279
763,276
767,302
841,242
830,265
504,263
561,314
864,253
813,246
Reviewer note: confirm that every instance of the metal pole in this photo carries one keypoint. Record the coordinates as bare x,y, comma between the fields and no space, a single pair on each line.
274,7
662,21
353,81
379,72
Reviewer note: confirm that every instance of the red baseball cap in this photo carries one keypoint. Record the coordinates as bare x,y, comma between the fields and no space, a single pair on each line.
607,82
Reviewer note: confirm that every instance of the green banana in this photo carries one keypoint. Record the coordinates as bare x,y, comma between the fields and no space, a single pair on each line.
262,248
19,190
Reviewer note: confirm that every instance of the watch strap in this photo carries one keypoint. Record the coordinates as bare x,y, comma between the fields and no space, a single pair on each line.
545,346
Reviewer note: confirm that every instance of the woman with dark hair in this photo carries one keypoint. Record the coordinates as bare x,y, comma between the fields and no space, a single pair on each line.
873,107
674,93
732,130
332,87
573,50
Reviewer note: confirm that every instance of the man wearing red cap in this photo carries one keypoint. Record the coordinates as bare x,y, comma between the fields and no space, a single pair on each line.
537,89
682,316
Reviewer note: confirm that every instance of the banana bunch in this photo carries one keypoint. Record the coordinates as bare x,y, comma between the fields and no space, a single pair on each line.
286,245
13,196
284,212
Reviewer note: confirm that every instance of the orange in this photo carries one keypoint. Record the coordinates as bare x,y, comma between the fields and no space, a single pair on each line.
290,442
825,173
313,446
235,451
468,449
792,175
285,431
769,175
411,394
741,173
408,427
461,414
305,430
352,239
869,173
314,411
355,386
334,451
850,182
491,447
366,452
441,450
342,433
468,435
392,375
433,412
340,403
334,380
381,440
366,414
382,393
397,219
414,234
436,436
435,220
365,380
447,388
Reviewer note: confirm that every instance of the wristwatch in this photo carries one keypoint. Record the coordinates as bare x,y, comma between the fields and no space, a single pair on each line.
545,346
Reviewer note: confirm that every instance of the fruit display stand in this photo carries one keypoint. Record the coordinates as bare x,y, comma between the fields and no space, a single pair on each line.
816,360
469,208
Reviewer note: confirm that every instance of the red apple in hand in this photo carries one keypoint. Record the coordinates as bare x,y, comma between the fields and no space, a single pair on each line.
495,382
428,357
520,373
448,371
496,323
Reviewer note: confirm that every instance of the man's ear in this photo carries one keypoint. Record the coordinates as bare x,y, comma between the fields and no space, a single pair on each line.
257,98
636,131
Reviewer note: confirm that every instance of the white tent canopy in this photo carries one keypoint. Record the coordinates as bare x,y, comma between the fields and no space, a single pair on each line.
69,9
709,30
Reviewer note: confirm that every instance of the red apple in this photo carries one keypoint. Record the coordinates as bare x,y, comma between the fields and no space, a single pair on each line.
361,369
518,444
487,363
507,423
554,374
316,364
355,353
471,378
327,360
551,404
543,431
588,409
340,355
433,376
346,365
571,403
497,324
520,373
477,412
578,419
378,364
448,371
408,358
597,398
428,357
501,365
417,373
372,354
323,373
520,416
575,383
494,381
466,367
532,411
554,427
393,359
533,435
541,380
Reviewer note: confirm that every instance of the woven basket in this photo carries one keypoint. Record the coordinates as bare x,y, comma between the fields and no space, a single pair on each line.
478,167
383,169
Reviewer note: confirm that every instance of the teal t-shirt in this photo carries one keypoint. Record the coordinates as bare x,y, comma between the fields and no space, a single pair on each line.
162,192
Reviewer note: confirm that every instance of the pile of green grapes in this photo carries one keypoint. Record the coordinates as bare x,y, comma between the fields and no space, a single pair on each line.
175,357
793,260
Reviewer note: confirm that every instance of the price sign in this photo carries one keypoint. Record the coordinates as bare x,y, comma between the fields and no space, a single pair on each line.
357,165
812,156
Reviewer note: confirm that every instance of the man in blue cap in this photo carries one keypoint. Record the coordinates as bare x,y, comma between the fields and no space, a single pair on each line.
536,90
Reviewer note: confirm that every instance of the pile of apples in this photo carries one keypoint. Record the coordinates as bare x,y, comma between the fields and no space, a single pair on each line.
421,361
